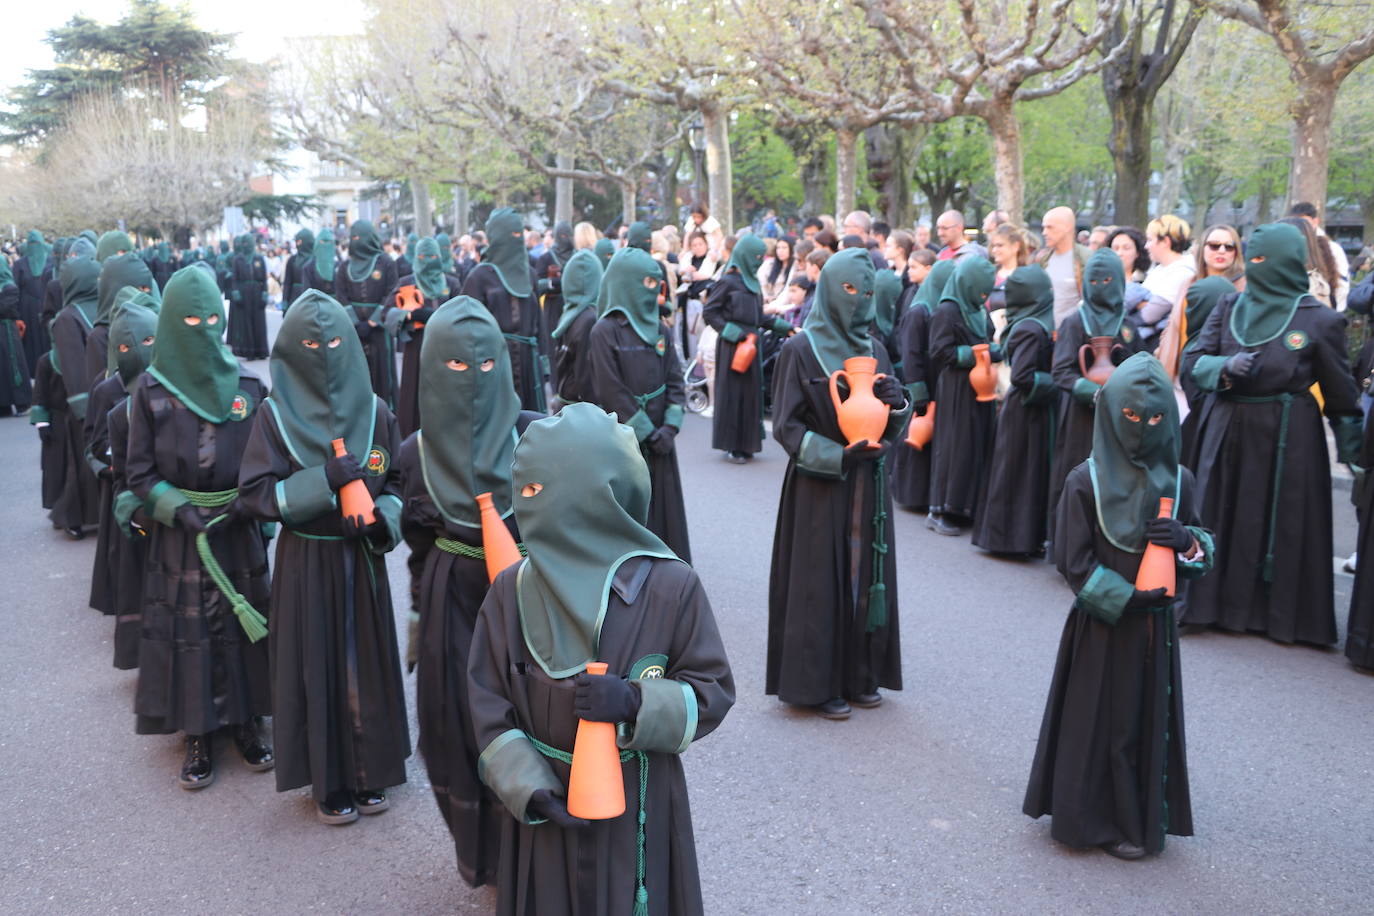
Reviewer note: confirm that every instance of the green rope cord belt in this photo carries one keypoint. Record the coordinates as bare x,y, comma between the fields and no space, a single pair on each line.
254,624
641,907
527,341
459,549
1280,458
877,591
643,399
533,343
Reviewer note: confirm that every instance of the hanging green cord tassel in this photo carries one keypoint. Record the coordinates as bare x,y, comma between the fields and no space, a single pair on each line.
254,624
877,591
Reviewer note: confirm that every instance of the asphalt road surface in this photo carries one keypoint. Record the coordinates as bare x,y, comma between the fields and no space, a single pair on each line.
911,808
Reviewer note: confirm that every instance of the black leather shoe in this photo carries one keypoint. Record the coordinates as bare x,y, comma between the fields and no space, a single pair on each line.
940,525
834,708
736,457
76,534
370,802
198,771
256,754
867,700
337,809
1123,849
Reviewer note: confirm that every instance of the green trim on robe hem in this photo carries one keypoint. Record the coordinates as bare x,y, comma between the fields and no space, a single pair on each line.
123,508
673,416
732,332
820,457
1349,433
1207,372
1104,595
163,501
963,357
917,392
1203,566
1085,391
1042,385
38,415
305,496
667,720
897,419
641,424
389,511
514,769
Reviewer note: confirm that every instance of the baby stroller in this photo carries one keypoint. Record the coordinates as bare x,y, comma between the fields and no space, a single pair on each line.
694,379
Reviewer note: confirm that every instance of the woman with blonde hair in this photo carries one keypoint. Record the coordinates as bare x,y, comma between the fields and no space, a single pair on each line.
585,236
1219,255
1322,275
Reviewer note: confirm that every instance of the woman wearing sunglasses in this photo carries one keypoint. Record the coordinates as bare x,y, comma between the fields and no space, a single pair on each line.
1219,255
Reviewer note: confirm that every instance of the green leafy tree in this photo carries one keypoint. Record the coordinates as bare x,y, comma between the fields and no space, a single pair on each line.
765,169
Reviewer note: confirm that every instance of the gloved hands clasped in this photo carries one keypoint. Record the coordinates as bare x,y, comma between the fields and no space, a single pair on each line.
1169,532
605,698
890,391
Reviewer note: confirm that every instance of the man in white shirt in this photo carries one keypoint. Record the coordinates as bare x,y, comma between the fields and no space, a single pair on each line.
1063,260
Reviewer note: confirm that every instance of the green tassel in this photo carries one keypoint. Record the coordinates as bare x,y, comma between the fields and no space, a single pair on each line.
641,902
877,606
253,623
1268,571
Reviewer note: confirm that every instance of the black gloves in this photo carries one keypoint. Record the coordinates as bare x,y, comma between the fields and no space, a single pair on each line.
890,391
1141,600
341,470
860,452
355,527
1239,366
605,698
188,517
660,441
1169,532
544,804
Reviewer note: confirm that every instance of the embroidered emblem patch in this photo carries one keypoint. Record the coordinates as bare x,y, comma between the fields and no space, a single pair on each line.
661,346
1295,340
376,275
649,668
1127,332
377,461
238,407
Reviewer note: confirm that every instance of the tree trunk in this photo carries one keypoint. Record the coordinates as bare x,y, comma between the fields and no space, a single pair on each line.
424,210
1129,143
719,179
1312,111
1007,164
813,185
563,190
628,200
888,153
846,171
1170,185
460,210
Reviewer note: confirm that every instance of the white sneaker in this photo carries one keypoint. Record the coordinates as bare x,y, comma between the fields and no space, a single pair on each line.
708,411
1349,564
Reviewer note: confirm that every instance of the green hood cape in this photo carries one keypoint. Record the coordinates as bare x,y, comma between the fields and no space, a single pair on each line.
625,292
468,442
37,251
6,275
887,289
428,268
930,290
584,517
364,248
192,361
1133,463
90,236
1104,294
134,326
59,252
1030,297
245,245
562,242
411,239
445,251
747,257
837,325
323,393
81,247
968,288
162,253
80,279
506,251
1273,286
121,271
1203,296
223,246
305,243
112,243
581,288
325,255
604,250
640,236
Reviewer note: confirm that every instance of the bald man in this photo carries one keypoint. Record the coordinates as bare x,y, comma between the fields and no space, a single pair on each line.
1063,259
950,229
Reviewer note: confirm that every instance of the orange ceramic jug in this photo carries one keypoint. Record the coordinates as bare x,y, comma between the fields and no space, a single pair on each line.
497,543
354,499
1157,565
744,354
922,428
1102,367
861,415
596,788
982,377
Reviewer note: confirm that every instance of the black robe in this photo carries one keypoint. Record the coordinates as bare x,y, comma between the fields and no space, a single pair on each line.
664,619
32,290
410,329
97,359
311,279
367,303
1013,516
1111,763
162,270
625,372
1239,443
50,406
293,277
573,359
197,670
737,412
132,555
103,396
911,468
962,448
79,504
16,385
340,713
52,303
248,307
522,324
1359,634
821,589
549,290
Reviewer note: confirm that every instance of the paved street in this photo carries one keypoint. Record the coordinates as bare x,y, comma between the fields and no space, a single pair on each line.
910,808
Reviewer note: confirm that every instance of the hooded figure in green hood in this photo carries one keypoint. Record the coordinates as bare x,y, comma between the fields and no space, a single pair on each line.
637,376
604,250
887,291
640,236
548,272
435,288
52,289
1202,297
502,282
293,274
832,599
321,267
1111,767
1013,518
365,283
340,721
597,586
247,289
464,450
190,418
963,448
446,252
15,387
32,272
115,273
71,329
112,244
571,338
162,263
1259,432
406,262
911,467
734,308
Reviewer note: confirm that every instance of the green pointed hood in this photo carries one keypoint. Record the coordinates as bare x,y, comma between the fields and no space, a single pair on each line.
305,243
928,294
36,249
968,288
364,248
111,244
1134,463
162,253
445,251
1274,285
468,437
191,360
581,288
90,236
887,289
1030,297
80,279
428,268
223,246
245,245
411,240
132,332
82,247
584,515
1104,294
325,255
562,242
747,257
121,271
837,325
605,250
1202,297
324,392
506,251
625,292
640,236
59,253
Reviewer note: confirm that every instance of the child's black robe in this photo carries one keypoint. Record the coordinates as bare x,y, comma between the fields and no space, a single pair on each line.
962,447
522,323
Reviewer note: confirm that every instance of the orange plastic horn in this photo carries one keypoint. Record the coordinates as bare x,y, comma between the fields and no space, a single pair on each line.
409,298
922,429
596,787
497,543
1157,567
744,354
354,499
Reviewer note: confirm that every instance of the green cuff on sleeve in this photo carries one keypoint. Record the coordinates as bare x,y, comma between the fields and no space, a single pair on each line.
38,415
1204,565
667,720
673,416
1041,389
125,504
1207,372
918,392
163,501
514,769
94,463
732,332
304,497
963,357
820,457
388,508
1348,432
781,326
77,405
996,353
641,424
1085,391
1105,594
897,419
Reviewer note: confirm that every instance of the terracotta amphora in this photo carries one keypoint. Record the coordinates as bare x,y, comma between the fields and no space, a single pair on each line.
744,354
1102,367
983,377
1157,567
354,498
596,788
922,429
862,416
